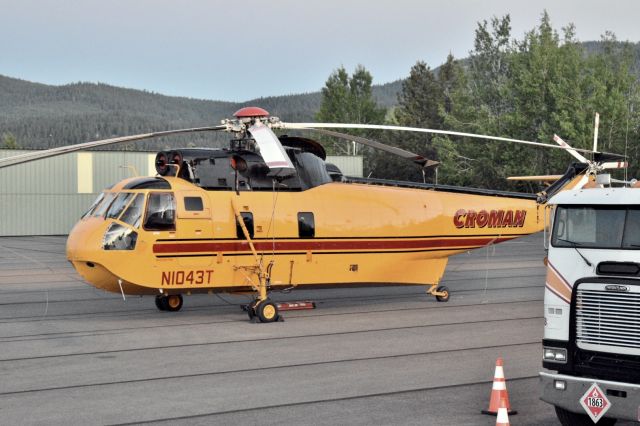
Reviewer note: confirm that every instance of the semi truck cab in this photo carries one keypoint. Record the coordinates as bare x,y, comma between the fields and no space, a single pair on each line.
591,344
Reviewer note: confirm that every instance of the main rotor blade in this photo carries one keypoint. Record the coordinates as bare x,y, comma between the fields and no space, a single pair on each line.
407,155
271,150
421,130
53,152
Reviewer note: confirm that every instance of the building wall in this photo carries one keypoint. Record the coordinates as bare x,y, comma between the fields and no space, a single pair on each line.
47,197
350,165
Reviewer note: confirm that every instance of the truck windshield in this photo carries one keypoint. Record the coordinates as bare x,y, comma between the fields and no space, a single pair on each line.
607,227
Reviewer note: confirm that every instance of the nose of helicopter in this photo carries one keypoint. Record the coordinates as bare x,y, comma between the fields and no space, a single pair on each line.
84,239
84,251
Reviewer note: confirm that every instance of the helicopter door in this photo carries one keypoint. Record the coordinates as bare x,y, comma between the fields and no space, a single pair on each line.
194,222
194,215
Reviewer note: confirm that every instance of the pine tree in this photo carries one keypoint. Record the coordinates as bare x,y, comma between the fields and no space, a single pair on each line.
615,94
547,86
479,102
336,102
348,99
458,112
419,103
489,68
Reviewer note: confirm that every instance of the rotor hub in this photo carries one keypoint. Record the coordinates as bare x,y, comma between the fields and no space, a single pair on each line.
250,112
248,116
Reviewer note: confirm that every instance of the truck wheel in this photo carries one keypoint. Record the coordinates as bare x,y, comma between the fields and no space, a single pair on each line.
567,418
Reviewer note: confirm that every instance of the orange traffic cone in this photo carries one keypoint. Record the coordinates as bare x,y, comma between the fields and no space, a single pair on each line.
503,418
498,392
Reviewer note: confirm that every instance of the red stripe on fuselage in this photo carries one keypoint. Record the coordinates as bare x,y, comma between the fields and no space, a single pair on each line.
263,245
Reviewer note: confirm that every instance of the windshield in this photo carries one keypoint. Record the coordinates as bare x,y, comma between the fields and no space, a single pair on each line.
133,214
94,205
119,204
102,208
609,227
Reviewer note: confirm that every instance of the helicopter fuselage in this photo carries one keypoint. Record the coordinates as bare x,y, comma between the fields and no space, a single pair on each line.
168,234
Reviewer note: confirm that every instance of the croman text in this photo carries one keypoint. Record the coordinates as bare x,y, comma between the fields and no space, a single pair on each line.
490,219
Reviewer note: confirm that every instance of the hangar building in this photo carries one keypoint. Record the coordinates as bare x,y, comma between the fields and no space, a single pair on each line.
47,197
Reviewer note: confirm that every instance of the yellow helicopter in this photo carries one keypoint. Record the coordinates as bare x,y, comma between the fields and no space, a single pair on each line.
268,213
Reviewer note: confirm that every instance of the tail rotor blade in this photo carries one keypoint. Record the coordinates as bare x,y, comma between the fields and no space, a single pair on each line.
615,165
557,139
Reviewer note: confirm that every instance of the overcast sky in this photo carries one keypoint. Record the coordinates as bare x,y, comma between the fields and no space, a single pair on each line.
239,50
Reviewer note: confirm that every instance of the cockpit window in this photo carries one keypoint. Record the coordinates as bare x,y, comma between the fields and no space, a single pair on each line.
133,214
119,204
102,208
161,212
94,205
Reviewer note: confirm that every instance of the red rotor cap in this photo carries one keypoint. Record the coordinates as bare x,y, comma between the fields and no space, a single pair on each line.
248,112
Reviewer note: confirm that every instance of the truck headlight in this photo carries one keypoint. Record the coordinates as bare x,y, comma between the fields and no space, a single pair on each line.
119,237
558,355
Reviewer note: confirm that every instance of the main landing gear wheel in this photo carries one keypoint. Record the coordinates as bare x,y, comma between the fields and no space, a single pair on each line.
171,303
444,296
266,311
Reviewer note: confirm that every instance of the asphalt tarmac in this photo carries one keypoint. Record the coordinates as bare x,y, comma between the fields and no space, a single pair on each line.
71,354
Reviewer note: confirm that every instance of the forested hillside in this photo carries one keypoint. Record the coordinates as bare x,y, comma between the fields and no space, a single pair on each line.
42,116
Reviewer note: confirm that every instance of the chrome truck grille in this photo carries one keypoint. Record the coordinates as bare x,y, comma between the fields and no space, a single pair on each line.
608,318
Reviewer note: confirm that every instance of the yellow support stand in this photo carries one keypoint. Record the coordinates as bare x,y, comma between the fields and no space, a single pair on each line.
258,268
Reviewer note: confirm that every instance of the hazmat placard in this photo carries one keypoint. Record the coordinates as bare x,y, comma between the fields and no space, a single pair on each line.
595,402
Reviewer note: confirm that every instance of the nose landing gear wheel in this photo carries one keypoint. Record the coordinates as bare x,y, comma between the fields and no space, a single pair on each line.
444,297
171,303
267,311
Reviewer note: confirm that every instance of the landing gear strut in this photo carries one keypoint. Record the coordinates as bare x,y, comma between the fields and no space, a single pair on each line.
262,308
171,303
440,292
